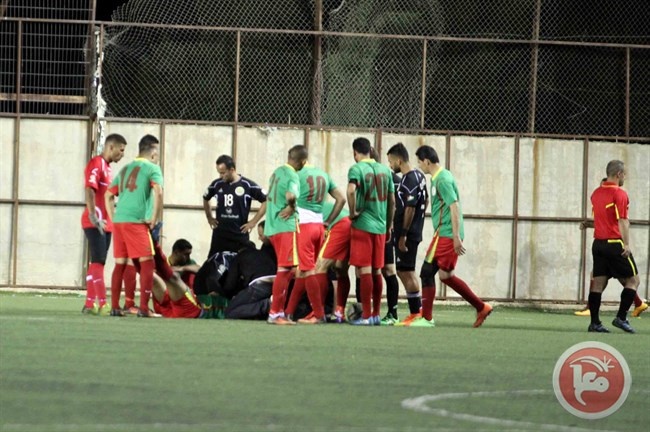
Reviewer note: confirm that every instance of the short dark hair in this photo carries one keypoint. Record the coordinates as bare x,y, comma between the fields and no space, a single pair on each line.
228,161
400,151
298,153
262,223
181,244
116,138
427,152
361,145
147,143
614,167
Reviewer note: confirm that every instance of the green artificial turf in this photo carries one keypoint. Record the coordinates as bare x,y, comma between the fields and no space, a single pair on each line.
62,371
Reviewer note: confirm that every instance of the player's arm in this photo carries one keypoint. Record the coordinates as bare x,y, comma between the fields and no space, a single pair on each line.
109,202
455,228
390,214
208,214
156,190
290,208
409,212
248,226
624,228
352,200
339,203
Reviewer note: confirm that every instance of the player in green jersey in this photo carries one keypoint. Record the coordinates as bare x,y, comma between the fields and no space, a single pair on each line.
314,185
371,201
447,244
139,186
281,225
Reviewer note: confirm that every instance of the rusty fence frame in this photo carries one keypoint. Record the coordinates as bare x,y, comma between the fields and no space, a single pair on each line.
515,218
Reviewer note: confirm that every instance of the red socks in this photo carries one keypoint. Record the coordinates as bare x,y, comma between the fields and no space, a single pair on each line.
637,301
314,293
296,295
428,296
342,291
129,286
146,283
366,288
465,292
90,291
377,288
280,285
96,271
116,285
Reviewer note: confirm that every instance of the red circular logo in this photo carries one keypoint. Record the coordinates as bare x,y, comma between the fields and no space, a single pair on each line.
591,380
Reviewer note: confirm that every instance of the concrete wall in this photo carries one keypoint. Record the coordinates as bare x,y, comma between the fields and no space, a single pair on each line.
506,258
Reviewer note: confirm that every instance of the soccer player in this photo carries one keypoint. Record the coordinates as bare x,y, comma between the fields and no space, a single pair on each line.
611,250
335,253
182,262
410,205
281,226
172,298
139,186
371,202
96,224
447,243
234,194
315,184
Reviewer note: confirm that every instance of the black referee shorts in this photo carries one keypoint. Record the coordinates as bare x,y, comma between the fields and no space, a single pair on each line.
609,262
405,261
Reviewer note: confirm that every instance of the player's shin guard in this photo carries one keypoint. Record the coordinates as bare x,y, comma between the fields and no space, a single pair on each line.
116,285
129,286
295,297
365,292
594,306
458,285
90,291
627,298
342,291
377,289
280,285
314,295
392,294
97,272
146,283
428,297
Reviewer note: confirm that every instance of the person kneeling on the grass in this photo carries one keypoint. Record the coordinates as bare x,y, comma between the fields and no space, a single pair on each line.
208,281
249,283
182,262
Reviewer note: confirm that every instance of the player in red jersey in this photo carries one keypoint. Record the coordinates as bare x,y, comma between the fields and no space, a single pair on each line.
611,250
139,186
95,222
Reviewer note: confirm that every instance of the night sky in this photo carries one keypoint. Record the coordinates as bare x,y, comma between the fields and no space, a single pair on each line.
106,7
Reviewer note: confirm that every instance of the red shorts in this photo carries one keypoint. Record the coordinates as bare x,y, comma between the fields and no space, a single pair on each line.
442,251
367,249
186,307
337,241
310,240
164,307
131,240
284,245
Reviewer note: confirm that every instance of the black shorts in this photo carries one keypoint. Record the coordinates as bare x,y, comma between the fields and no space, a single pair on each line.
389,251
609,262
226,243
405,261
97,245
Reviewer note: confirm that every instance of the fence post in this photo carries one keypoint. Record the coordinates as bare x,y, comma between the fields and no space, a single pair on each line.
533,68
628,60
423,95
317,54
236,107
14,221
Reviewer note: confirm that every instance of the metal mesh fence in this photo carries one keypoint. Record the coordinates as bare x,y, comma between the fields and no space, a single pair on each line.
581,90
394,64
